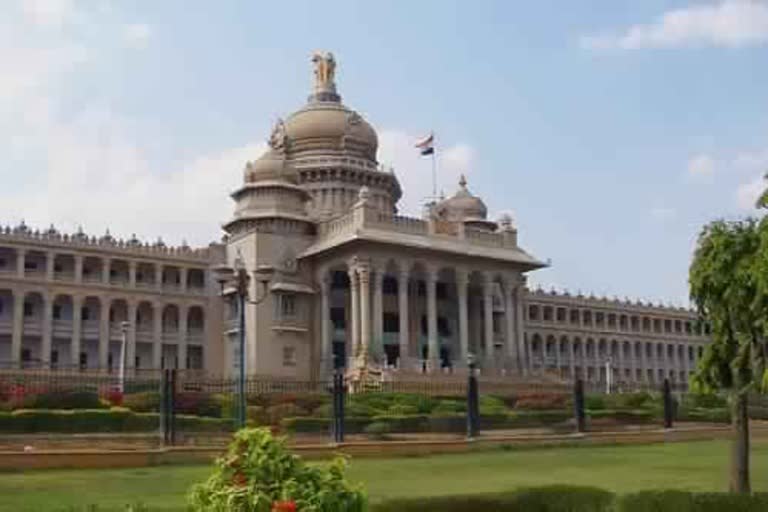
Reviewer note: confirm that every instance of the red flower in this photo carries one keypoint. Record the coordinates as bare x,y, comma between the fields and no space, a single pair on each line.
284,506
239,479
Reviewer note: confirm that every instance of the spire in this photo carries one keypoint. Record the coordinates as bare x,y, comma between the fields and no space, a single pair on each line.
463,181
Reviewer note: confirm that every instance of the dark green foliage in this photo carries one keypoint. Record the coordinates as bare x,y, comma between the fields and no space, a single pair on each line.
559,498
64,399
258,471
117,419
146,401
680,501
377,430
626,416
594,402
197,403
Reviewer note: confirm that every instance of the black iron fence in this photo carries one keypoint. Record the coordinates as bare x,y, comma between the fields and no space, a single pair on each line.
183,407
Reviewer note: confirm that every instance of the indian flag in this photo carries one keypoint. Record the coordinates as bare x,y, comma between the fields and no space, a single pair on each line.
426,146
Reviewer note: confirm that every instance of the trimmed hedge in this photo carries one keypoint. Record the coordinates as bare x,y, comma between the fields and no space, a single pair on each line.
681,501
563,498
558,498
117,419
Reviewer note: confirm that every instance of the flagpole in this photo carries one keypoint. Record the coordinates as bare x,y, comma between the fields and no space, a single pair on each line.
434,170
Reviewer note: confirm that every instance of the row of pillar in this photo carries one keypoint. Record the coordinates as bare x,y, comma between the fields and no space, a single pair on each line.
366,315
105,270
104,332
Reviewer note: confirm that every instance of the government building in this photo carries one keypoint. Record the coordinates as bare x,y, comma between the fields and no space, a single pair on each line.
349,282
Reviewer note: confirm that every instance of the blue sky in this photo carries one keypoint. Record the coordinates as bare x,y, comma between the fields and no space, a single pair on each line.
612,130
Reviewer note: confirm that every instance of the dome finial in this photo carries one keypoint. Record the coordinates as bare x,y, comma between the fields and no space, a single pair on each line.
463,181
325,75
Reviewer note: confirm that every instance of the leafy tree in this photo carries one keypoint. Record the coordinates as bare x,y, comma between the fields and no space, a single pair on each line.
729,286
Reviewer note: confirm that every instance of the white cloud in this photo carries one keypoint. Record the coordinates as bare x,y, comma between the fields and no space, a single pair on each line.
747,193
661,213
396,149
48,13
701,167
730,24
137,35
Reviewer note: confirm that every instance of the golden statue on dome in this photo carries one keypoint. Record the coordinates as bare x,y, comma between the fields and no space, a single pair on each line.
325,71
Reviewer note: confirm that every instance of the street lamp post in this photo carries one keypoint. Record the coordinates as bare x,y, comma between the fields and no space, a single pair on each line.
239,280
121,368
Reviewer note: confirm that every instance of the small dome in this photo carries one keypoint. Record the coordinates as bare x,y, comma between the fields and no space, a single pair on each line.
463,206
270,166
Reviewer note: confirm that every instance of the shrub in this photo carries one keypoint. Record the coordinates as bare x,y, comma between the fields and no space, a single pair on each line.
636,400
412,423
146,401
491,405
559,498
310,402
624,416
256,414
527,419
197,403
542,401
378,430
276,413
117,419
680,501
704,401
306,425
594,401
450,407
258,471
402,410
706,415
64,399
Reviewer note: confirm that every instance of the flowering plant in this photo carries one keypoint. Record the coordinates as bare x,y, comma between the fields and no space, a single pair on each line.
258,474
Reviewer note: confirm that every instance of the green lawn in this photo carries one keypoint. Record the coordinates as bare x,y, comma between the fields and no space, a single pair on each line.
699,466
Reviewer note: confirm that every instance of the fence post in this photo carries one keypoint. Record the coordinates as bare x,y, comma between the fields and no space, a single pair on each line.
668,404
164,406
578,406
473,410
172,415
339,395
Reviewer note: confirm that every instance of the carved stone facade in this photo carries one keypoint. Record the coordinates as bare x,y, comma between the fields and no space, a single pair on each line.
355,284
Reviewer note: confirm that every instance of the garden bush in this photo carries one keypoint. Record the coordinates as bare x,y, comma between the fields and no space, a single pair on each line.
402,409
450,407
64,399
116,419
704,401
146,401
258,471
197,403
542,400
681,501
594,402
378,430
276,413
624,416
636,400
559,498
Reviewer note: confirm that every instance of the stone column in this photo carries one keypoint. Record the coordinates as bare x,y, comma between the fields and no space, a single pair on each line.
130,348
510,331
158,276
104,333
354,311
78,269
157,338
21,257
50,266
488,320
402,307
183,280
522,361
433,344
77,325
378,310
105,270
132,274
462,284
18,327
571,359
181,352
45,347
557,355
364,274
326,336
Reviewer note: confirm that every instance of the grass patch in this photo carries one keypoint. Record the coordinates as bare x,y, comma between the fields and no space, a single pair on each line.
696,466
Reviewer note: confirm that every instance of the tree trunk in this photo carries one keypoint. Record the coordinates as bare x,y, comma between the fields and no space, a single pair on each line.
740,448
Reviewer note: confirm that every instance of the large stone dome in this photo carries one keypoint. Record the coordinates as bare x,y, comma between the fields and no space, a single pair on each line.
271,166
328,123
